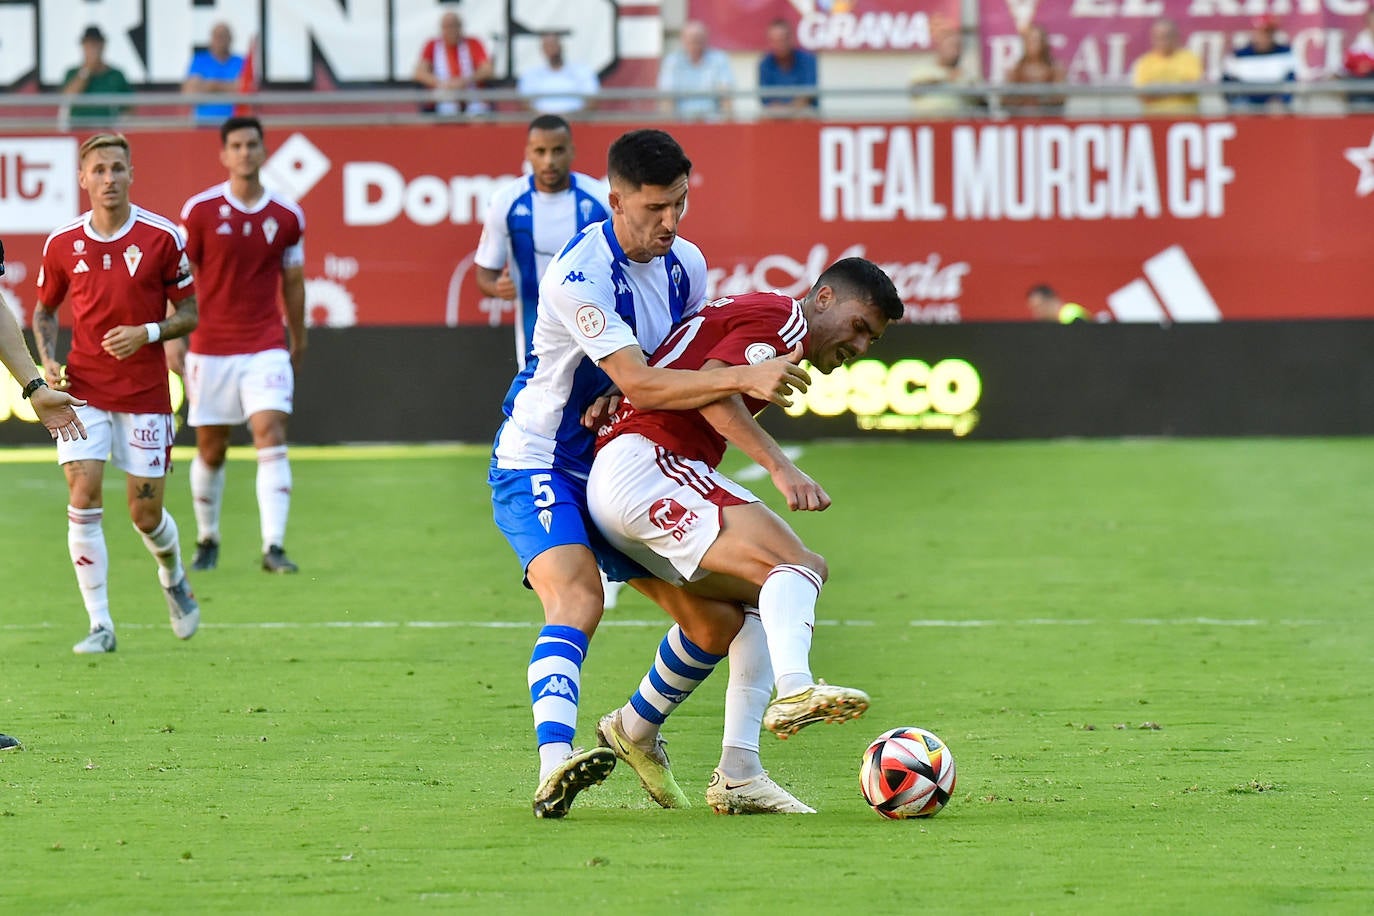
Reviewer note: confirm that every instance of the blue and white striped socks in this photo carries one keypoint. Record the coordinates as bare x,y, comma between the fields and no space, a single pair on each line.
555,679
677,670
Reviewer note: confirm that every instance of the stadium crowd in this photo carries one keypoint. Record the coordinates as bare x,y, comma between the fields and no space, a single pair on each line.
699,82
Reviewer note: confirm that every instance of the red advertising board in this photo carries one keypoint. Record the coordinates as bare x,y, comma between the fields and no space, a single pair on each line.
1190,220
828,25
1098,40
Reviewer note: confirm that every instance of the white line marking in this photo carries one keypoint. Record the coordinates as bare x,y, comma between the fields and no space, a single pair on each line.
756,472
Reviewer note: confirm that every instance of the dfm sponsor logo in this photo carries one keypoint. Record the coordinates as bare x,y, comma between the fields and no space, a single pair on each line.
1025,172
909,394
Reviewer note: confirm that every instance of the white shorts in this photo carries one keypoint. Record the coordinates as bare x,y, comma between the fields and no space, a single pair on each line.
662,510
140,444
227,390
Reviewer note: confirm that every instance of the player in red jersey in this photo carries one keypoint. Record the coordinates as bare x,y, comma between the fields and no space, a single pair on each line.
655,493
120,265
244,242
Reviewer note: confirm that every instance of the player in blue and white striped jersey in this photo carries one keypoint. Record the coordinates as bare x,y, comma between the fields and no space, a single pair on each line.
531,219
610,296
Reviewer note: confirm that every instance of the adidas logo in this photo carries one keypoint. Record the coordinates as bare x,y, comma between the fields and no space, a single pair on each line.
558,686
1174,292
81,267
83,561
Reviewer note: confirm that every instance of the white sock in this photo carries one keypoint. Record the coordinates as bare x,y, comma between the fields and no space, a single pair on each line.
90,559
163,543
550,756
274,495
746,698
207,494
610,592
787,608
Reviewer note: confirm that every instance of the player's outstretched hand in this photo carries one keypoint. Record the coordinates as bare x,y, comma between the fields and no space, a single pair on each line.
601,411
505,286
123,341
54,410
775,379
801,492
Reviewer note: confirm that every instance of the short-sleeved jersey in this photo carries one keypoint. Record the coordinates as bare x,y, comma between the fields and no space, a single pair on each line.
738,331
593,301
123,280
526,227
239,252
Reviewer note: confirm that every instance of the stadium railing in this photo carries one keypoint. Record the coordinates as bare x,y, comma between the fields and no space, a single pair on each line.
164,109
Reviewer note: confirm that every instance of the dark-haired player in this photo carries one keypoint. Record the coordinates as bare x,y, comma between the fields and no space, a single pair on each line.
245,242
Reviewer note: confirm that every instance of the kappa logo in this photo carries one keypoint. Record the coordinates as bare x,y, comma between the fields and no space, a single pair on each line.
81,267
1182,296
558,686
521,210
269,229
132,258
575,276
622,286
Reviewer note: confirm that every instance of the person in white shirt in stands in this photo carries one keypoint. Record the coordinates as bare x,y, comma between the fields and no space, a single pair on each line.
575,84
700,70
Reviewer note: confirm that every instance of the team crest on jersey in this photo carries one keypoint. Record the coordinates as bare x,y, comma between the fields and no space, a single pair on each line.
590,321
224,211
584,207
224,229
677,274
106,261
81,267
759,352
79,246
133,256
269,229
546,519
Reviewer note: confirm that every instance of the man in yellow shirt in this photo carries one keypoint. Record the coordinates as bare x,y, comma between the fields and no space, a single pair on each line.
1167,62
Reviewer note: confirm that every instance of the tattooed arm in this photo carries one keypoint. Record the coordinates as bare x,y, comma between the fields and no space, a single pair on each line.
45,340
123,341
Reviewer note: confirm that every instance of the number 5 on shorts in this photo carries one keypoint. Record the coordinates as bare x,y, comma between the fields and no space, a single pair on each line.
543,493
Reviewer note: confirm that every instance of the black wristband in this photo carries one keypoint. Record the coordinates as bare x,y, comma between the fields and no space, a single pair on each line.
33,386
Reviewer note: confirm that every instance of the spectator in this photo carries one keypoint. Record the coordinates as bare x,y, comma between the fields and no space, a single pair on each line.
1037,65
1264,60
558,75
216,69
944,68
1045,304
1166,63
1359,59
784,65
453,62
702,71
94,76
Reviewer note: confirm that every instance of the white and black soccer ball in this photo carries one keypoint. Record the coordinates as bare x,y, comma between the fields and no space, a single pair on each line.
907,772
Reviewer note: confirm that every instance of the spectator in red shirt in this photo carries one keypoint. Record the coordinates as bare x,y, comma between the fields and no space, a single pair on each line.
1359,59
452,62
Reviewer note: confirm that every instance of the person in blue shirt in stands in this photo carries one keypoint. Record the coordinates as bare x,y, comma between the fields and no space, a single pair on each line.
787,65
215,69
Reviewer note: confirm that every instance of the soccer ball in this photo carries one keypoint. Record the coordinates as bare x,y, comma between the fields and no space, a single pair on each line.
907,772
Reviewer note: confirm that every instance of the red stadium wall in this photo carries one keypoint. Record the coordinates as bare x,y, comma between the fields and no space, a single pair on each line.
1152,221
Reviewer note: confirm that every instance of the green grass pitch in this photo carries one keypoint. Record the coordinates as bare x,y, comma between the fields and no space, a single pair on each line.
1151,661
